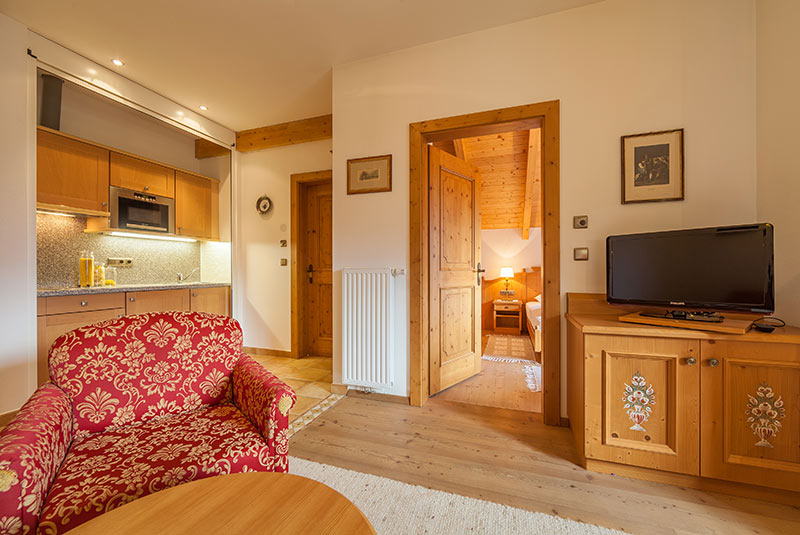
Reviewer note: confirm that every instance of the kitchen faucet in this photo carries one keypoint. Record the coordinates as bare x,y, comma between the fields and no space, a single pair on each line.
181,278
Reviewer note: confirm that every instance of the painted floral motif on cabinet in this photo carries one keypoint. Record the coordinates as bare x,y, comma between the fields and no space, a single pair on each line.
764,414
638,398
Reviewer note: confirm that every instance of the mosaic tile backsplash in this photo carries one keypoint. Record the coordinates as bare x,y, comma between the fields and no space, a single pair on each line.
60,240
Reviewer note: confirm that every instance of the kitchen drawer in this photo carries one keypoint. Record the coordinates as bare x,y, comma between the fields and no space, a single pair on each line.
81,303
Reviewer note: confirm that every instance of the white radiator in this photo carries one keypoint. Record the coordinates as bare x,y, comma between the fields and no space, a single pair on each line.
367,327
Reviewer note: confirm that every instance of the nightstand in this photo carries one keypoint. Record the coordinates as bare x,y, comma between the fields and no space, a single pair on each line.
507,316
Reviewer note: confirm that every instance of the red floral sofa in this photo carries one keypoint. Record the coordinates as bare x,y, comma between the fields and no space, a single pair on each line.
137,405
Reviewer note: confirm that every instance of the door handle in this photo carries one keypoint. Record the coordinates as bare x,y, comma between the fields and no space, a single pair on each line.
479,270
310,272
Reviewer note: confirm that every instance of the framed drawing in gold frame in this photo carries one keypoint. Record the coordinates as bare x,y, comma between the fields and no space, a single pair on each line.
369,175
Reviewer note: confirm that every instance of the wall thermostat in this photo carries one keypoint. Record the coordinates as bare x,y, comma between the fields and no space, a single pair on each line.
263,204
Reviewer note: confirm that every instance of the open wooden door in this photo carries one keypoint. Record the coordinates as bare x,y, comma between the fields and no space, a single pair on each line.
455,272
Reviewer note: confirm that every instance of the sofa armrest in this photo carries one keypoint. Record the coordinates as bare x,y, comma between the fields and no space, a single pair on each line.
266,401
32,447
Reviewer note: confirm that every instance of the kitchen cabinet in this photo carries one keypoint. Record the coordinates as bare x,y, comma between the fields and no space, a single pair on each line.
638,394
196,206
156,301
212,300
142,175
70,173
59,315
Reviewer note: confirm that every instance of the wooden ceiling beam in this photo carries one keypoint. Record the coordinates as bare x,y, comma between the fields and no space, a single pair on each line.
291,133
207,149
533,178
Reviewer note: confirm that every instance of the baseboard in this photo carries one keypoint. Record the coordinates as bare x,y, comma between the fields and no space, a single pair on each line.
756,492
268,352
6,417
375,396
339,389
564,422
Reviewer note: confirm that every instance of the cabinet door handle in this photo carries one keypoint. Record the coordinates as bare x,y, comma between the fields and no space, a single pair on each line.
104,204
713,363
691,361
147,188
131,299
194,295
84,303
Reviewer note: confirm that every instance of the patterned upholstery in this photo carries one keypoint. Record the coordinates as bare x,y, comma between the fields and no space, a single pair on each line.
138,404
105,470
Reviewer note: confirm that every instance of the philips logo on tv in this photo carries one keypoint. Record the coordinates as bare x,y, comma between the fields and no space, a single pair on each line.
677,303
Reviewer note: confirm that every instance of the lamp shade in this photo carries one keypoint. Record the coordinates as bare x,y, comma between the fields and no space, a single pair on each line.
507,272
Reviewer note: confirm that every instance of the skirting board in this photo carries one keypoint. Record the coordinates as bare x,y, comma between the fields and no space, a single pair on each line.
696,482
268,352
355,393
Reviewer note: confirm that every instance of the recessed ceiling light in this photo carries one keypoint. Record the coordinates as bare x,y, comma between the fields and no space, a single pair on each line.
118,62
203,107
179,112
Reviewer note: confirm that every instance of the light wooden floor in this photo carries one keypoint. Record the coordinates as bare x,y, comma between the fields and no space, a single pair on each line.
510,457
498,385
310,377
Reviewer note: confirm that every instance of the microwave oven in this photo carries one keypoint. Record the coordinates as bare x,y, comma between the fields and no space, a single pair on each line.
134,210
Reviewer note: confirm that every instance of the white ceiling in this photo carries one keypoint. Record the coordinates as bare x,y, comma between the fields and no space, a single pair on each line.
256,62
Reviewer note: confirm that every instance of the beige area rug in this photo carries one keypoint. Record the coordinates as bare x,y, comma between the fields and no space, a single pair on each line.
394,507
515,350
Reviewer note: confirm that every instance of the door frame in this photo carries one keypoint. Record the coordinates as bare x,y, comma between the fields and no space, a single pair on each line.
298,182
546,116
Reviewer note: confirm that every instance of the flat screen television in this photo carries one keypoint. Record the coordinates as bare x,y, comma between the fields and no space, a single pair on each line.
729,268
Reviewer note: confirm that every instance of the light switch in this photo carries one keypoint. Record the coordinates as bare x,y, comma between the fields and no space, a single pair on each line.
580,253
283,243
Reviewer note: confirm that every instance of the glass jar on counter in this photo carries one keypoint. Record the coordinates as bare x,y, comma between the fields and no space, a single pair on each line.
99,274
111,276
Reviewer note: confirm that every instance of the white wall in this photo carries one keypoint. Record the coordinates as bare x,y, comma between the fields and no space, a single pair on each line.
17,212
505,247
618,67
778,112
264,289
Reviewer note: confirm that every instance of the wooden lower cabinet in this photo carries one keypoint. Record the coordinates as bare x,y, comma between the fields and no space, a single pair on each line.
51,327
642,404
751,413
708,409
212,300
156,301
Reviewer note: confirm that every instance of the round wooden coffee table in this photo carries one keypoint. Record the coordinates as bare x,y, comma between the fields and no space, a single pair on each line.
252,502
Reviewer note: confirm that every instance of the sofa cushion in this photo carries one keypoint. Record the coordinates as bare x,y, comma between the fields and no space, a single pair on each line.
105,470
137,368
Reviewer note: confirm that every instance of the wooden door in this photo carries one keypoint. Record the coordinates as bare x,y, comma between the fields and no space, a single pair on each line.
196,206
317,259
455,254
71,173
212,300
141,175
751,412
51,327
642,401
156,301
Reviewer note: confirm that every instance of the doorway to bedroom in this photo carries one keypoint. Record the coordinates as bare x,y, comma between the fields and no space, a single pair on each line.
446,273
508,167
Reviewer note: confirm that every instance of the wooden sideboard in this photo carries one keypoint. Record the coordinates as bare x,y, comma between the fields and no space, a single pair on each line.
700,409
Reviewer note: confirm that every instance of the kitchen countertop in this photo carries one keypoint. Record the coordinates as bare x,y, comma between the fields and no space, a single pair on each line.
57,292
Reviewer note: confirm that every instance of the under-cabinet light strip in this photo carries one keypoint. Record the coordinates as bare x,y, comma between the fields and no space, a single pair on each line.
150,236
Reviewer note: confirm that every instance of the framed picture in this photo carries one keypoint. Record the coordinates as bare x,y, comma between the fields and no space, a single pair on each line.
369,175
652,167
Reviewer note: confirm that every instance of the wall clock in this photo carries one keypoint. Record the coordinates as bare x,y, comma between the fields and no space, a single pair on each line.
263,204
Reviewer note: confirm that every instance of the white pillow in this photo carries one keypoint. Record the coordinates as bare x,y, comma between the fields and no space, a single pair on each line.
538,298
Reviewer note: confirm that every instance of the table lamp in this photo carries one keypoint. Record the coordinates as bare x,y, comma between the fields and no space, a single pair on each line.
508,273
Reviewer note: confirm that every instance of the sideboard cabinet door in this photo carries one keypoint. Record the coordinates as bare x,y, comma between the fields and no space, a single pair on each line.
642,401
751,412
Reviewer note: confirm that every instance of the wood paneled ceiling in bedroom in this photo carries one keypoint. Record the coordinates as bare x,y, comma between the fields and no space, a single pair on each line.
511,179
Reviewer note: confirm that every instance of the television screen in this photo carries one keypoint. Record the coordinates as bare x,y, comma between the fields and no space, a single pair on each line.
722,268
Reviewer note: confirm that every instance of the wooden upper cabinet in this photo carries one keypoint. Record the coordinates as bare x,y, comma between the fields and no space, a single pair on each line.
196,206
751,412
642,401
141,175
71,173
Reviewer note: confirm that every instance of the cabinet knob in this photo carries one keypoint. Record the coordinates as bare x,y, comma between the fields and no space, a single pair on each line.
131,299
194,295
147,188
691,361
104,203
713,363
84,303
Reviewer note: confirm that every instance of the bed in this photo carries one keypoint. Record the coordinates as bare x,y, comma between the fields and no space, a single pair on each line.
533,313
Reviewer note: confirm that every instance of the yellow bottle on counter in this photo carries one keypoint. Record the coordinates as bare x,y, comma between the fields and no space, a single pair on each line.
86,269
